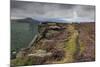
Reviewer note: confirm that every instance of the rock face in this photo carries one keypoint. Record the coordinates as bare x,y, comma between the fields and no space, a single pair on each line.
40,53
22,53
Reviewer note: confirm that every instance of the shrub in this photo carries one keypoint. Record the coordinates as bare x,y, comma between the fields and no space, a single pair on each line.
58,54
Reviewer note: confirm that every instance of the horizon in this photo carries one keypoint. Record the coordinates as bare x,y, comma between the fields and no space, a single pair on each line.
62,20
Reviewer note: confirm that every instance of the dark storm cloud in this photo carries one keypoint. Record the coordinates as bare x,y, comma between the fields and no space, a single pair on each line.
20,9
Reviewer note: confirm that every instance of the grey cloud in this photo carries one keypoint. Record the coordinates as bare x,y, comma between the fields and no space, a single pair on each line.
20,9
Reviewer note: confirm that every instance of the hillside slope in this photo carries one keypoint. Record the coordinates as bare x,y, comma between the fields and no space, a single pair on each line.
60,43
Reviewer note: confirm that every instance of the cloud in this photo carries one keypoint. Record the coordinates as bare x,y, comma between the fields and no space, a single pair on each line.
21,9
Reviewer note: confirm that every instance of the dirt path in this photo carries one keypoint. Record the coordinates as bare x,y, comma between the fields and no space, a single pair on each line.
71,46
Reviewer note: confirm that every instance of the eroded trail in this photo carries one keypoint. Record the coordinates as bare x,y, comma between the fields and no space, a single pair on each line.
72,46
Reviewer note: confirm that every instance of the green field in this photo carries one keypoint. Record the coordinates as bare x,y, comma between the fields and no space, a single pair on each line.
21,34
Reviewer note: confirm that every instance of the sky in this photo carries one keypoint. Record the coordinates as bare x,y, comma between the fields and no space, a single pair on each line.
22,9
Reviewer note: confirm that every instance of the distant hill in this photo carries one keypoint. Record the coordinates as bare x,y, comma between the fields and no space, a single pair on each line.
64,20
25,20
57,20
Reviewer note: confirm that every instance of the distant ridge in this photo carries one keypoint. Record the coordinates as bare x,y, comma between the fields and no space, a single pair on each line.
25,20
57,20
